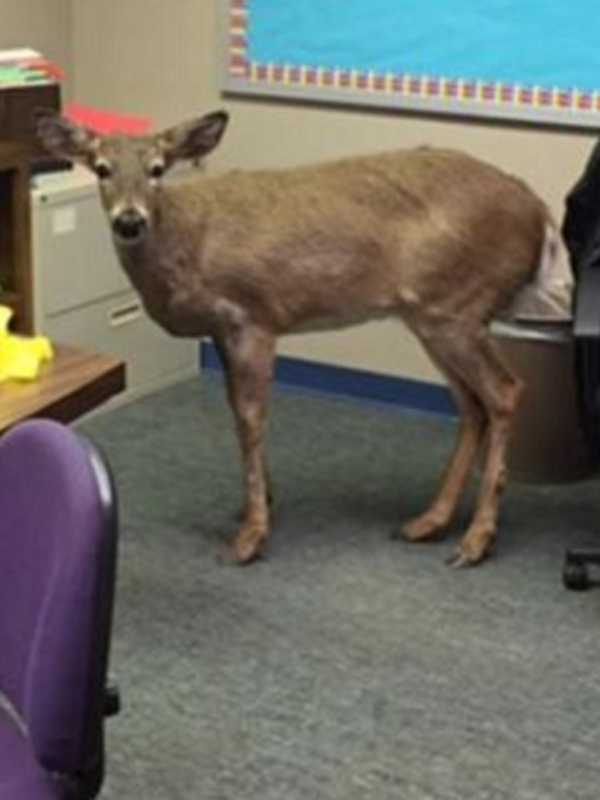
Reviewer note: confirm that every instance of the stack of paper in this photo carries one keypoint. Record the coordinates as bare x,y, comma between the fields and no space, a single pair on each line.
26,67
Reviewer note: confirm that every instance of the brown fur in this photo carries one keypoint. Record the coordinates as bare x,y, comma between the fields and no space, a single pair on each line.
434,237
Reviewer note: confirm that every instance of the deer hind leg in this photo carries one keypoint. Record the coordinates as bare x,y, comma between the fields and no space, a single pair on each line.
249,357
433,522
488,395
500,392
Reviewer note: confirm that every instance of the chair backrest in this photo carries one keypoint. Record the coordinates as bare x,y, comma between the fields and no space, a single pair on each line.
58,532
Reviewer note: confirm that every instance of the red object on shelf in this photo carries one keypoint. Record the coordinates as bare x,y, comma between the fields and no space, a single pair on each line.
108,122
50,69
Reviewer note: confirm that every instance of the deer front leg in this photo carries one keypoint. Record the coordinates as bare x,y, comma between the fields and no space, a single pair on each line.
249,356
224,360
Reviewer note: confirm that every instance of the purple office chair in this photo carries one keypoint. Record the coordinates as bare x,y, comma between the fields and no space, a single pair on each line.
58,542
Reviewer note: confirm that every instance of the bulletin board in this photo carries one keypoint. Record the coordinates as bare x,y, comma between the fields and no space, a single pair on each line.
536,61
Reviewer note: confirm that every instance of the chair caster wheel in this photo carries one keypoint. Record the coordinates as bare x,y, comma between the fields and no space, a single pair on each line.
575,576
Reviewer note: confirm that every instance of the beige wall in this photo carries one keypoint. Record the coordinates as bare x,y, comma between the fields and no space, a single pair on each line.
145,56
44,25
159,57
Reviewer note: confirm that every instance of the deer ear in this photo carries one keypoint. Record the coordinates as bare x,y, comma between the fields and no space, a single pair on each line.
194,139
62,137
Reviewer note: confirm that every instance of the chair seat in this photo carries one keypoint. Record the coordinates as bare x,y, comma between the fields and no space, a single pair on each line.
21,778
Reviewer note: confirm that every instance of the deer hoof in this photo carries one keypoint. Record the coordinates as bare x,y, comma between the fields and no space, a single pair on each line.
458,560
230,555
423,528
471,552
248,546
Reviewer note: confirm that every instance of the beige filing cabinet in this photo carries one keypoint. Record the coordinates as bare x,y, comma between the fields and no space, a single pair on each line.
82,296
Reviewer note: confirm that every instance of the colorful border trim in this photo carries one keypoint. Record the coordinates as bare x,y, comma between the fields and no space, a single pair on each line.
472,93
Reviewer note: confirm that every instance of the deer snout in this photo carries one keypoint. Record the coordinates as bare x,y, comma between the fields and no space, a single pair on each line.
129,224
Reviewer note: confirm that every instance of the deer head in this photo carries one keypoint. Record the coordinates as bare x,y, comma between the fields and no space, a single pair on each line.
130,169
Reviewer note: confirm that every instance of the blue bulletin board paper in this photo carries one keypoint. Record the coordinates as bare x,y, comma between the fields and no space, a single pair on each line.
536,60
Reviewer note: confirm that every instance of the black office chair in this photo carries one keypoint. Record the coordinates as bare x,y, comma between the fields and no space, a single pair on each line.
581,232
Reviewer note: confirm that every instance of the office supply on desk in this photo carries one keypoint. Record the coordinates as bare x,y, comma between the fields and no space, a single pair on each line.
75,382
21,357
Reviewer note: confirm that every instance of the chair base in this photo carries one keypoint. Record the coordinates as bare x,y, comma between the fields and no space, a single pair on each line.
576,573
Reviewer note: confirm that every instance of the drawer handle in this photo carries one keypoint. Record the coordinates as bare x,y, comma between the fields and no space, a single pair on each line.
125,314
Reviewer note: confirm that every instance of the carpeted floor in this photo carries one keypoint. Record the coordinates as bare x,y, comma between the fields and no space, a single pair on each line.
345,666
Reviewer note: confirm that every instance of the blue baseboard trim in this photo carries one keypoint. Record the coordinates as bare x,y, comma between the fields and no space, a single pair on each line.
358,384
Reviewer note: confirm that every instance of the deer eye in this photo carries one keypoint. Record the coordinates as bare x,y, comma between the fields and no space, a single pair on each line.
102,170
157,171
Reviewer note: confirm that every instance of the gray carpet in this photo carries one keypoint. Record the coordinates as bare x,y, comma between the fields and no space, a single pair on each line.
345,665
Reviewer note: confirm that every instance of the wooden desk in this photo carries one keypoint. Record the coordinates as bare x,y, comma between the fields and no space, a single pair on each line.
73,383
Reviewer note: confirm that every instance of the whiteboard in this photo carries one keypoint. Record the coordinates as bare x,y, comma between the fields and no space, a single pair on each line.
535,61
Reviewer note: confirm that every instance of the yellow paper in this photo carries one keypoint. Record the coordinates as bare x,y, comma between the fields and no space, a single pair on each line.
5,316
21,356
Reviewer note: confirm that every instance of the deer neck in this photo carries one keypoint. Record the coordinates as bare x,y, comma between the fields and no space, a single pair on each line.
165,267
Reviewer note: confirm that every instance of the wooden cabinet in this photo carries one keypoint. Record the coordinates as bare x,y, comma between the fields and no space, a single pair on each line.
16,288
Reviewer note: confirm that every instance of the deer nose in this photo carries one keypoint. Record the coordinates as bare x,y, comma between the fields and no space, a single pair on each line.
129,224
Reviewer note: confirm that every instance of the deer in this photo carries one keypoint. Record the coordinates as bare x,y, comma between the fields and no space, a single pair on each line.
434,237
